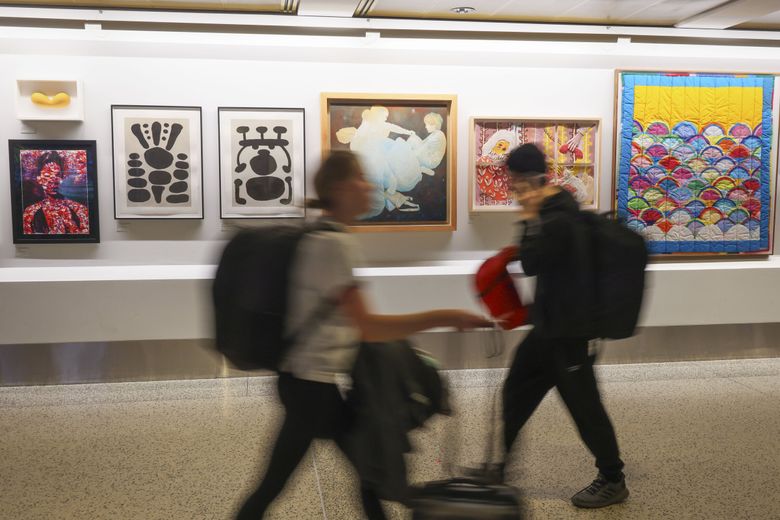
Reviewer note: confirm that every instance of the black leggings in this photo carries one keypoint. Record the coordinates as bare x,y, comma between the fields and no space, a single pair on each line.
313,411
541,364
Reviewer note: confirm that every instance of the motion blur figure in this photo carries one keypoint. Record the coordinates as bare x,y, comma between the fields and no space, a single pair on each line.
322,269
556,247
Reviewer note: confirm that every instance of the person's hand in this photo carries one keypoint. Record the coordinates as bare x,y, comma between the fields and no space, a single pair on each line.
529,198
464,320
530,203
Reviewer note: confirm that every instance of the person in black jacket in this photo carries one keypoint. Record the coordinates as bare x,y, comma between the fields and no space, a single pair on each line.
556,247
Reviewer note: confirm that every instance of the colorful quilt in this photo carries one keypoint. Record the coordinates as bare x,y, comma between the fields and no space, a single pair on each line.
694,163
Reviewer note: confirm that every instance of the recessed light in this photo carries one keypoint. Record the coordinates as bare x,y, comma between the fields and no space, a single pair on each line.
463,10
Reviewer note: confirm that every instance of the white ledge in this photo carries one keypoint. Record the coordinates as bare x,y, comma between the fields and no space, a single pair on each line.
141,302
206,271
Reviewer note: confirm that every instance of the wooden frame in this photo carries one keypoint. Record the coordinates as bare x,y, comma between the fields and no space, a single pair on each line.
395,220
293,198
775,158
474,121
57,203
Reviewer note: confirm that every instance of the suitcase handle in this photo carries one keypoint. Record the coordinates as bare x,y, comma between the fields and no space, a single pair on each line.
493,345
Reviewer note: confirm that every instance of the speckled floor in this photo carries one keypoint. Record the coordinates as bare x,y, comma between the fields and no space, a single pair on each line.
701,440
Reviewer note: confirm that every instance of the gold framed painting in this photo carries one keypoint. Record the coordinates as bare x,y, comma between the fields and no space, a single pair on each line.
407,146
571,146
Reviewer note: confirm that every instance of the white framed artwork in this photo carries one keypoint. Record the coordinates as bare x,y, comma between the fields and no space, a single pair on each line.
158,172
262,162
49,100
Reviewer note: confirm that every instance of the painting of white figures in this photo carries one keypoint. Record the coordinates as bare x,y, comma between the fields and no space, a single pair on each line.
407,150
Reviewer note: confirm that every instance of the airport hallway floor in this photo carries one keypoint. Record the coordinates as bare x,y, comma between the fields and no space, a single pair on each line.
701,440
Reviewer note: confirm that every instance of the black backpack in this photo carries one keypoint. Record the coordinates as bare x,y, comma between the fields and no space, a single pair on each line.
250,295
620,261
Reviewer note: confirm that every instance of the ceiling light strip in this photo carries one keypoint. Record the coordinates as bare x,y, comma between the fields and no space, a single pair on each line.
364,7
359,7
496,30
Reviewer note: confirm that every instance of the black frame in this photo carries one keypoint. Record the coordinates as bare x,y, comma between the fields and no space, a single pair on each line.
219,154
113,161
15,147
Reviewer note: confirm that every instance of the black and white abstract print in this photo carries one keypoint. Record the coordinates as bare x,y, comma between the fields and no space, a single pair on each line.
262,163
158,168
262,169
158,160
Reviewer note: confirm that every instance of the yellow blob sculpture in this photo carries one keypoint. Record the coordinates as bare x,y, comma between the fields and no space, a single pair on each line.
59,100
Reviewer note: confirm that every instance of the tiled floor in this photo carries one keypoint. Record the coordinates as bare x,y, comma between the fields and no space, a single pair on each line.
701,440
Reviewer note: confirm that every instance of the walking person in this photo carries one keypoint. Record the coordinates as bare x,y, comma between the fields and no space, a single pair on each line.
323,269
556,247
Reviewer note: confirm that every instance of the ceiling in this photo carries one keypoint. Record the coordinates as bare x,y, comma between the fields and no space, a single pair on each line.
250,6
603,12
700,14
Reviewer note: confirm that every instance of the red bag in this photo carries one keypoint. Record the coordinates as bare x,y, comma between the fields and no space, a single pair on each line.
498,292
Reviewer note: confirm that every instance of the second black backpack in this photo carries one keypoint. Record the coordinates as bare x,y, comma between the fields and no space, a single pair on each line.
620,261
250,295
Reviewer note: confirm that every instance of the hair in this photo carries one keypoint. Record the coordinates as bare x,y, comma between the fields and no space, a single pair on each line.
434,119
526,161
380,111
338,167
50,157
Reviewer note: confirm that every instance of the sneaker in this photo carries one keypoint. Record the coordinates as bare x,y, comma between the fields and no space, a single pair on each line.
601,493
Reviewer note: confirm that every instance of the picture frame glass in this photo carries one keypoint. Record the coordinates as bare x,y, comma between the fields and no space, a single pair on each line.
54,191
571,148
407,151
262,163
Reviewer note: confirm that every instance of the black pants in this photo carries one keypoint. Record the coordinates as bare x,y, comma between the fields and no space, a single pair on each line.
313,411
541,364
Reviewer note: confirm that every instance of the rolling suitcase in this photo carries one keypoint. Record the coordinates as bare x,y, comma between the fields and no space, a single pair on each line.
479,496
466,498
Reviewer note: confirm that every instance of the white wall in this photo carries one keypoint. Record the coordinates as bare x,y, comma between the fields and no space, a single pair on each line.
491,78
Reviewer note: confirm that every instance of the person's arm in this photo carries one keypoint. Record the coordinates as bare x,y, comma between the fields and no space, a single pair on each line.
398,129
27,219
82,213
543,243
529,246
387,327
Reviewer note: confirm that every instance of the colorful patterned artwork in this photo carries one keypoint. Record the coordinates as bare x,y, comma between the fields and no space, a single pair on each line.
694,161
571,147
54,191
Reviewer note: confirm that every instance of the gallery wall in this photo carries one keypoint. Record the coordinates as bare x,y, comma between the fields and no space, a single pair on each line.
531,79
90,297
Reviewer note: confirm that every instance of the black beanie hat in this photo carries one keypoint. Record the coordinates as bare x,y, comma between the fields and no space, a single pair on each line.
525,160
